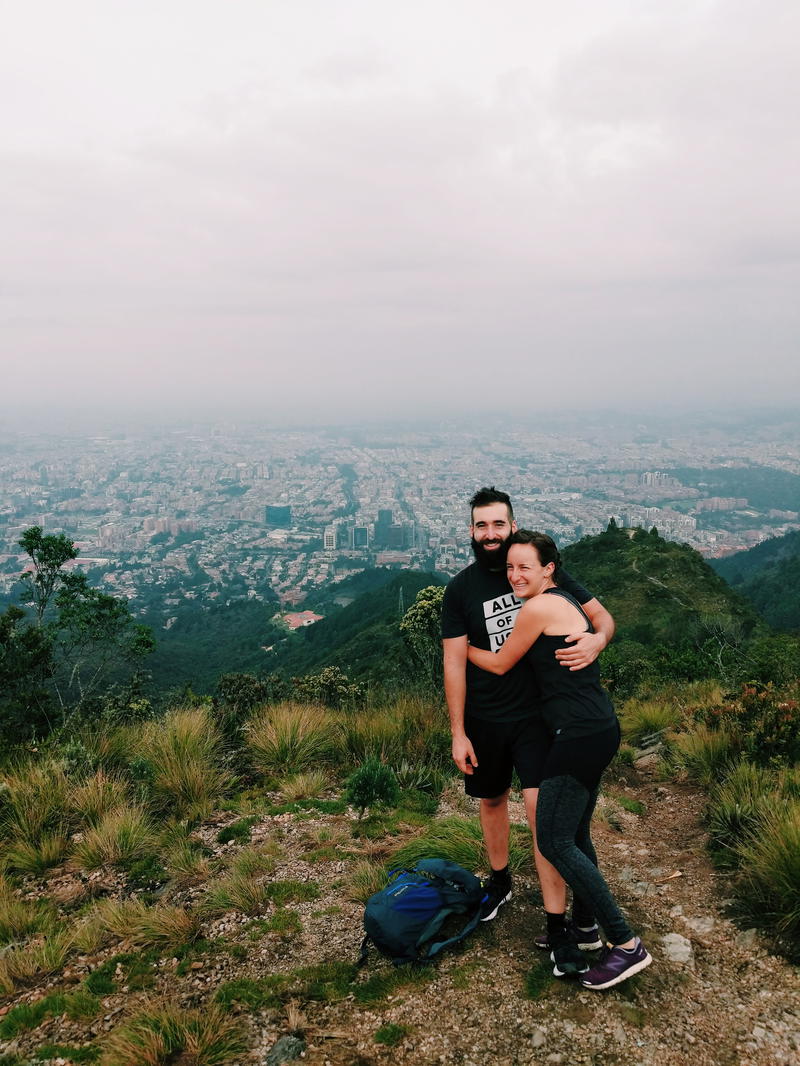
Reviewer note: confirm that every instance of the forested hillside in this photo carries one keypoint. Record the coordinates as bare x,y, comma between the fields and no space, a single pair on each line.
769,577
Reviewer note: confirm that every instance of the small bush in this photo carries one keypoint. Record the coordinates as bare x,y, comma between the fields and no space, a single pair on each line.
132,919
372,785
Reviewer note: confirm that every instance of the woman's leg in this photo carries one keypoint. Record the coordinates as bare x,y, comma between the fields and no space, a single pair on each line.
564,807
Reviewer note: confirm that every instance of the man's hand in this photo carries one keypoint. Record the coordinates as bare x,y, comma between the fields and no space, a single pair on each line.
464,755
584,650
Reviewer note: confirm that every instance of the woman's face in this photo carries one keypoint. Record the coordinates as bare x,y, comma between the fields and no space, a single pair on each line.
525,572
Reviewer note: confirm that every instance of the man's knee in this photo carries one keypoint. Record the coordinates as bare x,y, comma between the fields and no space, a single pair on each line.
495,803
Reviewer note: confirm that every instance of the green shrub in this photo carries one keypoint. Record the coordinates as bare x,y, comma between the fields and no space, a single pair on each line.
122,836
372,785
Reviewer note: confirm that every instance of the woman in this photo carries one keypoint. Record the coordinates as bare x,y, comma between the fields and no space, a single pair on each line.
585,737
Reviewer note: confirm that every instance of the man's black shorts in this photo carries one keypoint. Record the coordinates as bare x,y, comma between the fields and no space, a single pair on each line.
501,748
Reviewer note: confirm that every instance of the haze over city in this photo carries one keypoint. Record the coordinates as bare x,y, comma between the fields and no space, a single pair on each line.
320,212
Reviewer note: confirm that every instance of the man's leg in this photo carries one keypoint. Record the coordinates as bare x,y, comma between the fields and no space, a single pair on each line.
496,827
554,889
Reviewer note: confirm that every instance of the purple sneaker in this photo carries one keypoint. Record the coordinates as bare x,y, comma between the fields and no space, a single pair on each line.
616,965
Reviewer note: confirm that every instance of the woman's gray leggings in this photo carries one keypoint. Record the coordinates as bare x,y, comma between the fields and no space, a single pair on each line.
563,813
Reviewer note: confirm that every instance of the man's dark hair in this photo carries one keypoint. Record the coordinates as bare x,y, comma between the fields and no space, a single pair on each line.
483,497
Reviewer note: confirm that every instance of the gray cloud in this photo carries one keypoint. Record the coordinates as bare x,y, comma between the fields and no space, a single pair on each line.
311,210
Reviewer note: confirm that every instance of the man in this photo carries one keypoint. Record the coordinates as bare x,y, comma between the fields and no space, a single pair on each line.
493,726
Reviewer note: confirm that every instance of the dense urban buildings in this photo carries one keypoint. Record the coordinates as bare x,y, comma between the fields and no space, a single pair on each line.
248,510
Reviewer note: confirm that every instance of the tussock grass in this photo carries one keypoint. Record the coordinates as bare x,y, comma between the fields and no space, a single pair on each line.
79,1004
36,795
164,1033
186,863
306,785
122,835
640,718
35,857
256,860
38,958
20,918
737,806
98,796
236,892
132,919
705,753
185,755
461,841
371,735
288,737
364,880
771,866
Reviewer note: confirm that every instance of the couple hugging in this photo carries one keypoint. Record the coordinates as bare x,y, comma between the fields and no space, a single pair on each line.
520,640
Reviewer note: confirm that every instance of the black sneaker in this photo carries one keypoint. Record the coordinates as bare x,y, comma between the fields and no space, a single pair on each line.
586,939
568,958
496,894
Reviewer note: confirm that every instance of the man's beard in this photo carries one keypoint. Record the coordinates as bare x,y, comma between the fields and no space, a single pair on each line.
491,560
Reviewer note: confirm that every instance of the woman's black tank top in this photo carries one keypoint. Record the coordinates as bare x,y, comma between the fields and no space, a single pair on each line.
573,702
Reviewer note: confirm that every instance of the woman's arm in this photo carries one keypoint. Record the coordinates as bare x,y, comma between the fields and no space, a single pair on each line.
528,626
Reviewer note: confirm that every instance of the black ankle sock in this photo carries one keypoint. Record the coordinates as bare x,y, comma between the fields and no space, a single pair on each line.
556,924
501,877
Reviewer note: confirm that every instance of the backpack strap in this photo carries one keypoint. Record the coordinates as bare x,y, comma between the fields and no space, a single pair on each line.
441,944
363,951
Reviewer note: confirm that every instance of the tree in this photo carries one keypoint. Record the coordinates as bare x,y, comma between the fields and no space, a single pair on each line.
421,629
94,636
48,553
26,663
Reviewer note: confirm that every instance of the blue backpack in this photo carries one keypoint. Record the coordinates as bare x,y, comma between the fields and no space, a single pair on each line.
404,920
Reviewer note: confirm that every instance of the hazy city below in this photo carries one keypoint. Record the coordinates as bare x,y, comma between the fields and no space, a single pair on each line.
211,512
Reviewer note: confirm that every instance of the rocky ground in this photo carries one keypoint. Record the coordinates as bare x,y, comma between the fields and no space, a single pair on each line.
715,994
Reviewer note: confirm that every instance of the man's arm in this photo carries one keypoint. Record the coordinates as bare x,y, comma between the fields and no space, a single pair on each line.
585,647
455,691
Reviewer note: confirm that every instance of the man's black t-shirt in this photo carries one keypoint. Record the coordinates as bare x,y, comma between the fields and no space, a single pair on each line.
479,604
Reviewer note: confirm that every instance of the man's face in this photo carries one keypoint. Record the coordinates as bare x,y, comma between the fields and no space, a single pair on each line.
490,529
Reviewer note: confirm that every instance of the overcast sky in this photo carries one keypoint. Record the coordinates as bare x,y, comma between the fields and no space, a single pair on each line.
318,208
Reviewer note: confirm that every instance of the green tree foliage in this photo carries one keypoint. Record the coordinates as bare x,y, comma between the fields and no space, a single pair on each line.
421,629
94,637
82,640
331,686
769,577
25,667
48,552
